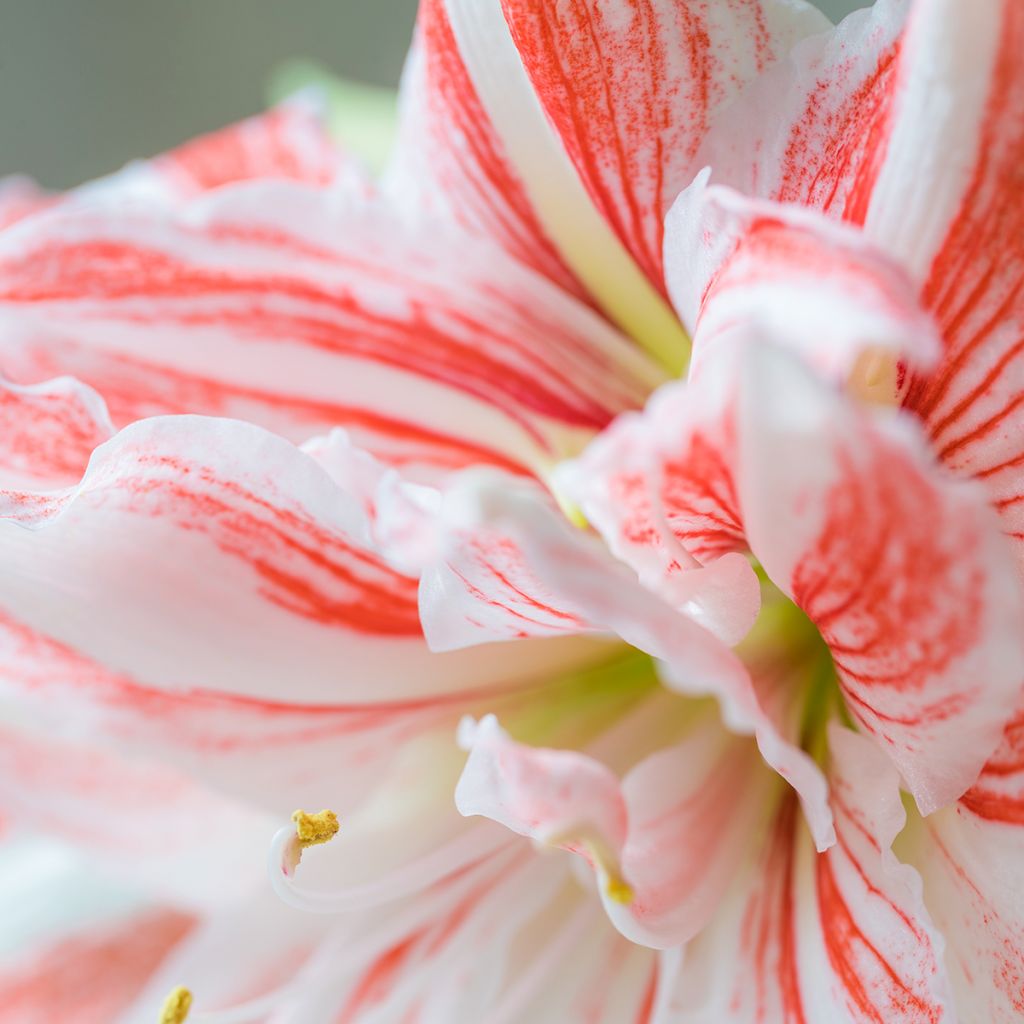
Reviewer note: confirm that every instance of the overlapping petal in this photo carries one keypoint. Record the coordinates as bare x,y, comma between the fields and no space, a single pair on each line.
511,566
923,626
840,936
632,118
381,325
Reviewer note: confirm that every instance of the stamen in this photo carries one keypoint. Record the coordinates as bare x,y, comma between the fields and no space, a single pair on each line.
286,851
313,829
176,1006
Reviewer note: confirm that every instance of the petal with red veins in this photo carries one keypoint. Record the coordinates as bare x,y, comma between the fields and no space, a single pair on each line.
673,831
839,936
965,236
813,129
48,431
431,347
19,197
287,141
450,159
291,603
517,131
923,623
659,488
512,567
632,118
971,857
736,266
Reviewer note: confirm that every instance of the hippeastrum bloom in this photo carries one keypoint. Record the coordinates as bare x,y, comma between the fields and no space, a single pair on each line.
680,350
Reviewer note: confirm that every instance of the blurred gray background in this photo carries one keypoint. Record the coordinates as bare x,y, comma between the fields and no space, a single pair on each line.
85,85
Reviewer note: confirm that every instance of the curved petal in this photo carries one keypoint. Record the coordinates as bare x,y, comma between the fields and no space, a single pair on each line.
742,266
20,196
520,133
631,118
431,347
923,625
450,159
511,567
665,843
812,129
971,857
839,936
48,431
291,605
966,237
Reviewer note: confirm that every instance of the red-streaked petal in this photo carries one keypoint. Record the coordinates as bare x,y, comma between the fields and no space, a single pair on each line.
840,936
410,333
520,146
48,431
972,859
659,488
632,117
511,566
737,266
967,235
290,603
900,566
812,130
287,141
450,159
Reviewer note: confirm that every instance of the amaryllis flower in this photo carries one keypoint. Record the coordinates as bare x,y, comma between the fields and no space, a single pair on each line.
636,467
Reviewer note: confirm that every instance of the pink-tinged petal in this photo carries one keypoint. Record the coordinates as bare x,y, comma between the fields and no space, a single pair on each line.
48,431
432,348
291,605
737,266
451,160
89,976
20,197
664,843
631,119
133,818
288,141
813,129
513,567
840,936
966,237
971,857
923,624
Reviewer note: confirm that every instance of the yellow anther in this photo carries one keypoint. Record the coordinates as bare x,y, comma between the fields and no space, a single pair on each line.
571,510
176,1006
313,829
618,890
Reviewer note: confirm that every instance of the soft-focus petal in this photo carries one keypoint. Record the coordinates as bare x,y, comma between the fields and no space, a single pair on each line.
841,936
900,566
48,431
431,347
291,605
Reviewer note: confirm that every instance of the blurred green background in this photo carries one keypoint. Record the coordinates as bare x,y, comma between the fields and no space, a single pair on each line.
86,85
